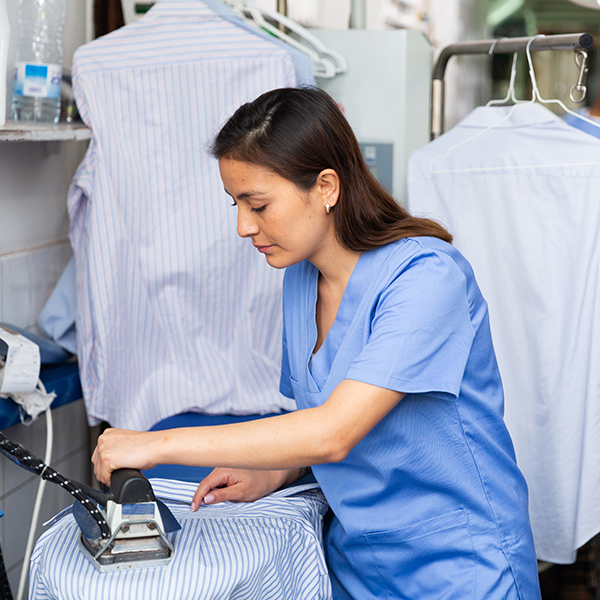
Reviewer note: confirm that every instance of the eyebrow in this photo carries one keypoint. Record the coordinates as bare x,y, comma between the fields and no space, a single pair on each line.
246,195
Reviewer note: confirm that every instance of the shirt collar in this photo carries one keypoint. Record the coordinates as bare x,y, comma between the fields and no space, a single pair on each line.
204,9
523,114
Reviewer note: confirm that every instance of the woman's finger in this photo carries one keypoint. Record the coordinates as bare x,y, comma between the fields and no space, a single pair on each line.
216,479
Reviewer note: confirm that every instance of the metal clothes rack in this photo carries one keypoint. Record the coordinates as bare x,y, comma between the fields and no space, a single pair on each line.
579,42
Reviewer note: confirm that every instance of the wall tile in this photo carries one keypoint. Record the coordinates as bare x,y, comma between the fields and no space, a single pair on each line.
27,280
14,574
15,289
18,508
64,254
42,273
13,475
38,435
70,430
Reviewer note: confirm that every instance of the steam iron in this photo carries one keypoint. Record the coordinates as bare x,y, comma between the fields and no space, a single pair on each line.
137,522
121,529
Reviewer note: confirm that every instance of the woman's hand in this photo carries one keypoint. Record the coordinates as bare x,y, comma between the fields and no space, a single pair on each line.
122,448
240,485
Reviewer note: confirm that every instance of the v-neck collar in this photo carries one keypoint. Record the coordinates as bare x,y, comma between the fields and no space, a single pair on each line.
361,279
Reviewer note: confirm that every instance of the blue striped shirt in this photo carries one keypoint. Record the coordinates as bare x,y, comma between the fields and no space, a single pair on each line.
175,312
269,549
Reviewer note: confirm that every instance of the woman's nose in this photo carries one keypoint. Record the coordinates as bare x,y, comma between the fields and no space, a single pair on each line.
246,227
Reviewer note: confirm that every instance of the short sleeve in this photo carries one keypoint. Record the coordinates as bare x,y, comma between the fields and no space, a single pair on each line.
285,387
421,332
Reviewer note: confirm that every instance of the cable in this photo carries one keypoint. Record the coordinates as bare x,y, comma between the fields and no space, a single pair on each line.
38,501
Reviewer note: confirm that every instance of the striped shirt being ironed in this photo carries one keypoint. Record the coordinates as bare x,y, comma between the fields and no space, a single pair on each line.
269,549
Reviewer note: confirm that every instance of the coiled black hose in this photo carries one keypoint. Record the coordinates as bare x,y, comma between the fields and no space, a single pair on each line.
79,491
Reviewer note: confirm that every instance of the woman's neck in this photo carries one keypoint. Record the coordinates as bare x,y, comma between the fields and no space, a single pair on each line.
335,266
334,273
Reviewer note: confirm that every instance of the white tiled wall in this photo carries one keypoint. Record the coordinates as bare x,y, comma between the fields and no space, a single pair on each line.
27,279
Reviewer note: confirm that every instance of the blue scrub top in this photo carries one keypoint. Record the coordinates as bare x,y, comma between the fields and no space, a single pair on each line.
430,504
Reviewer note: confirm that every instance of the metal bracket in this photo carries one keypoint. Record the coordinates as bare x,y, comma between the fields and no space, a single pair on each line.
581,57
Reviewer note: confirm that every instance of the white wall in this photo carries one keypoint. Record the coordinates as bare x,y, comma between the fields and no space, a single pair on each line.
34,179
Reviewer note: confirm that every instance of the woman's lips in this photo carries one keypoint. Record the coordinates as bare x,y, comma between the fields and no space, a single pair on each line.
263,249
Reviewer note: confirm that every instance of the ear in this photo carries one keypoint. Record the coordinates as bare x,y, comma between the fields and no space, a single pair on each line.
328,186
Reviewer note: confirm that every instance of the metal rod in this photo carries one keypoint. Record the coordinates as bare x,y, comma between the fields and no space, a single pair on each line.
358,14
282,8
571,41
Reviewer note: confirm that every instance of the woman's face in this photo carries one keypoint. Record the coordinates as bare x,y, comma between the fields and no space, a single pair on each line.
285,223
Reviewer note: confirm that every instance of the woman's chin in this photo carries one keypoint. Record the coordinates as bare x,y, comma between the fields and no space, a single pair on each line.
279,262
275,262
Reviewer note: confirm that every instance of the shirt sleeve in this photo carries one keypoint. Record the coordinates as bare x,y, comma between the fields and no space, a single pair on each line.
421,332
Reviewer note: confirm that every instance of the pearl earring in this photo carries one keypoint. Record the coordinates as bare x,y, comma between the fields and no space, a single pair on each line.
327,207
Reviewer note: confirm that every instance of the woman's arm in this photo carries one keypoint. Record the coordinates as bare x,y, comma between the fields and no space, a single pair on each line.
312,436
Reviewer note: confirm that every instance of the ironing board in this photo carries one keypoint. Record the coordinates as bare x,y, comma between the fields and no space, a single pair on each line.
271,548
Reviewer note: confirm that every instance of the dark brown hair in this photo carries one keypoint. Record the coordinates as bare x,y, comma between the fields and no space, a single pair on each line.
299,132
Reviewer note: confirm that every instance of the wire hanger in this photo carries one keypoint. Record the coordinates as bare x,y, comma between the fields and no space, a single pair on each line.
326,62
338,59
536,91
510,95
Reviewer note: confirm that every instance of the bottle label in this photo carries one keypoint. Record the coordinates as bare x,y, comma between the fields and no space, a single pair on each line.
39,81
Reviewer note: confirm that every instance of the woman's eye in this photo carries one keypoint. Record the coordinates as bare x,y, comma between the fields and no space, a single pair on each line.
258,209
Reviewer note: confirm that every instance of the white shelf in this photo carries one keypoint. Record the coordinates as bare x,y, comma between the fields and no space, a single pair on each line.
43,132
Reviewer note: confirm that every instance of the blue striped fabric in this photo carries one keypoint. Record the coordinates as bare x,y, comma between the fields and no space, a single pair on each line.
268,549
175,312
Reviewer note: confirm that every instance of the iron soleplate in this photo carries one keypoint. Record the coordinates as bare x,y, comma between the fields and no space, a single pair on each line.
126,554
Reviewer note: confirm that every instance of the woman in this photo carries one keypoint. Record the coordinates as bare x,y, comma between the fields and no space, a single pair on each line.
388,354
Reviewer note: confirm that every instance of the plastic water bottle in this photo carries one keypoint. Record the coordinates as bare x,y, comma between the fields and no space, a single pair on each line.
39,60
4,41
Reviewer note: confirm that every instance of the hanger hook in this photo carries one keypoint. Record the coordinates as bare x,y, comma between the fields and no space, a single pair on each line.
536,92
494,44
510,93
583,70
